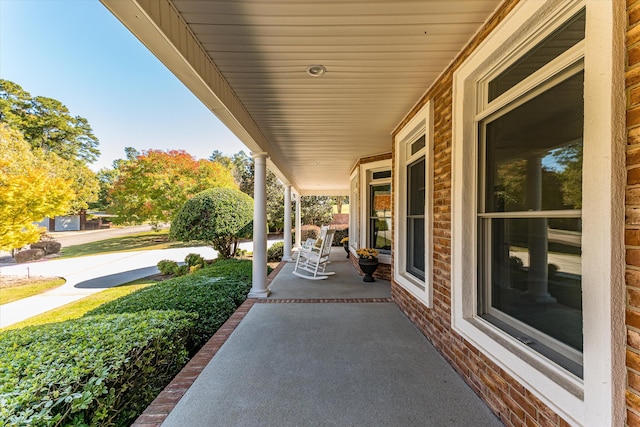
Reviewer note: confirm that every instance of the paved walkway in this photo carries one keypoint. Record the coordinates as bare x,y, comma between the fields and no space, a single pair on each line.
336,352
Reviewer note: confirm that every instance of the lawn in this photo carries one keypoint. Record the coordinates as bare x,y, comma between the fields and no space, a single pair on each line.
78,308
14,289
135,242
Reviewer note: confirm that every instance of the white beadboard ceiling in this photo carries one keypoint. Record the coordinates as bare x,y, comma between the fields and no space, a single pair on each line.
247,60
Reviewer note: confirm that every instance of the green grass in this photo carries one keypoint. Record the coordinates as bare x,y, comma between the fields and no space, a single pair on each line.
15,293
135,242
78,308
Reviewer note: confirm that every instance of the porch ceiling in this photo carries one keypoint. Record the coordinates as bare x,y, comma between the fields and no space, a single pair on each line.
247,61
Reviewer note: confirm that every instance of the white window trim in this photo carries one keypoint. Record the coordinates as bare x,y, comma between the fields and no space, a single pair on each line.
365,182
354,217
599,399
420,124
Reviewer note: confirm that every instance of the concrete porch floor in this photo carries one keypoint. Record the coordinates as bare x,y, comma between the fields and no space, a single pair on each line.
335,352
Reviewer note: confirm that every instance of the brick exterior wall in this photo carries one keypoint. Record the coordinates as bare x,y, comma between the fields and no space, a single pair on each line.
370,159
512,403
632,213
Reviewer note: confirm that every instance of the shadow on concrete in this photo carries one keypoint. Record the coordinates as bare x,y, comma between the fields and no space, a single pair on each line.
112,280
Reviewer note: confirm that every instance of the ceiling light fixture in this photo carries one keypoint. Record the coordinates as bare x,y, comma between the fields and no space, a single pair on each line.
316,70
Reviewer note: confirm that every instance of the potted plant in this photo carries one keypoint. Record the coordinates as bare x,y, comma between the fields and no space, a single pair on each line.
368,262
345,245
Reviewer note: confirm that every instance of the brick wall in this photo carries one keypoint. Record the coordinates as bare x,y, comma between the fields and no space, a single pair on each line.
632,210
370,159
511,402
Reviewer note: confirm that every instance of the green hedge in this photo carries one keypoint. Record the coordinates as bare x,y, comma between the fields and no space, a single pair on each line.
101,370
240,269
275,252
213,293
105,368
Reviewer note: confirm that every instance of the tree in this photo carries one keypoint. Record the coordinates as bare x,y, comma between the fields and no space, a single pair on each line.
106,178
47,124
30,190
275,203
153,186
65,141
242,167
84,182
219,217
339,201
316,210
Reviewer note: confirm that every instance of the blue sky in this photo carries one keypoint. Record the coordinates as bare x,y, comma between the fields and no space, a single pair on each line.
77,52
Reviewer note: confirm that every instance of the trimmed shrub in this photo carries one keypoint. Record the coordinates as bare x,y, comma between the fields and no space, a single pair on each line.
101,370
218,217
168,267
193,260
48,246
275,252
240,269
181,270
28,255
211,297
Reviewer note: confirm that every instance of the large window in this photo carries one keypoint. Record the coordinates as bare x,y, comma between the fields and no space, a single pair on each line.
380,211
413,206
415,215
536,259
529,214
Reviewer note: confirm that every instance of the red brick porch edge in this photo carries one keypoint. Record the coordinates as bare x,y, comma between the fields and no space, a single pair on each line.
159,409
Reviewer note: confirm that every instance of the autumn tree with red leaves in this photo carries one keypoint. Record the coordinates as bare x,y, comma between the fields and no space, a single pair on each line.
154,185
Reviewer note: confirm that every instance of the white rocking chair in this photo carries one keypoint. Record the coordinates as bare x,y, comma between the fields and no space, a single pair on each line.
314,257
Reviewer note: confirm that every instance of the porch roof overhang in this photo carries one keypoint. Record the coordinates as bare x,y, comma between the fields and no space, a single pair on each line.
247,61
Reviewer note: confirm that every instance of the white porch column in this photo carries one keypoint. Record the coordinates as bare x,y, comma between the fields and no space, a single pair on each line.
298,222
259,287
287,223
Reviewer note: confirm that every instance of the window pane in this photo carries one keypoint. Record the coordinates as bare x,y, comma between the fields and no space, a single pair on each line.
415,218
381,175
380,234
381,200
534,152
380,218
418,145
415,247
415,187
536,274
546,51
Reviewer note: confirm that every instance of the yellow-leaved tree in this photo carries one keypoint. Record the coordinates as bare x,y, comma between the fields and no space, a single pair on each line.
30,190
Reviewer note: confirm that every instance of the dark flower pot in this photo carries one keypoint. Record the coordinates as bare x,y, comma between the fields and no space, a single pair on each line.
368,267
346,248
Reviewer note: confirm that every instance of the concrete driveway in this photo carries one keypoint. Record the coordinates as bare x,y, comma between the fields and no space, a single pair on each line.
85,276
90,274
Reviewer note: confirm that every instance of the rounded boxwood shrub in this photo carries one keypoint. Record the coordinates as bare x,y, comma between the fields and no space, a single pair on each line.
194,260
275,252
218,217
167,267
